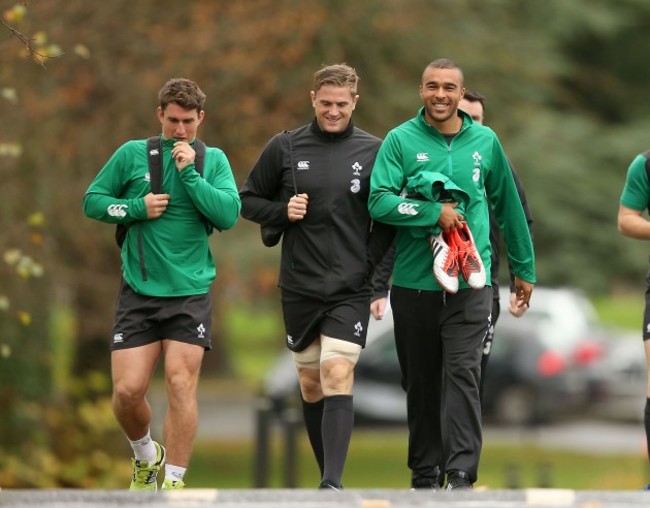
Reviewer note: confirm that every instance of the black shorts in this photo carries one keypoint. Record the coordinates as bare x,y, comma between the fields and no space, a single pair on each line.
305,319
142,320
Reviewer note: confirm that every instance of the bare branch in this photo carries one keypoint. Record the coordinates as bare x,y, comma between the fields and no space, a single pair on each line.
28,43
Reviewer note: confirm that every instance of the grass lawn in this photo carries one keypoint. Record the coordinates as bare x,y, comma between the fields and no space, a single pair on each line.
377,459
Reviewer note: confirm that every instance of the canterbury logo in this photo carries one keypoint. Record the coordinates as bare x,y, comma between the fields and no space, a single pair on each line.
302,165
153,151
422,157
408,208
117,210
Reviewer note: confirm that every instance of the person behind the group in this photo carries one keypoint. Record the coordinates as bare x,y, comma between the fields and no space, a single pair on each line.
635,199
473,103
439,333
314,182
164,305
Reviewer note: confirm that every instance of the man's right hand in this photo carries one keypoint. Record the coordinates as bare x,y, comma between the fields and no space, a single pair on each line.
156,204
449,218
297,207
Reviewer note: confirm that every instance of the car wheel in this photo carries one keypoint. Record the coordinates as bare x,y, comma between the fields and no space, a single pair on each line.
516,406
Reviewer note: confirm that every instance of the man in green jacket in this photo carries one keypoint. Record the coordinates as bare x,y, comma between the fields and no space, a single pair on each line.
631,222
439,332
164,307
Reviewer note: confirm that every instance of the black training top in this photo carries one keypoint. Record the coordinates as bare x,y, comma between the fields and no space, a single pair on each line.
331,252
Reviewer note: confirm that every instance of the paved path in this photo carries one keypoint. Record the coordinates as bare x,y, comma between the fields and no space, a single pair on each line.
283,498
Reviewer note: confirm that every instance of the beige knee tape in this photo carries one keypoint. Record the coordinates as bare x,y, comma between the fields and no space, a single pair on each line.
336,348
316,353
308,358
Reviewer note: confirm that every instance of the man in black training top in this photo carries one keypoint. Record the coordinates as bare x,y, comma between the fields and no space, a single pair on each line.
313,182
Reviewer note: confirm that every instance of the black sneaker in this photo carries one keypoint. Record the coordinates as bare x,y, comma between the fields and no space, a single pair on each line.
329,485
424,482
458,480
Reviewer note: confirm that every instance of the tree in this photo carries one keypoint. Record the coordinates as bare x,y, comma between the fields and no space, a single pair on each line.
50,419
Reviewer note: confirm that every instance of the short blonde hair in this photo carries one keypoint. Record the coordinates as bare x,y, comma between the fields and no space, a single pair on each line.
336,75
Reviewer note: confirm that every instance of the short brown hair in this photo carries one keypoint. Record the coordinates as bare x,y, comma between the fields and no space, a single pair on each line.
336,75
184,92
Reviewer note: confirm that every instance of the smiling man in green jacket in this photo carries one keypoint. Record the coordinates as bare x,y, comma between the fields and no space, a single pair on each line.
439,333
164,306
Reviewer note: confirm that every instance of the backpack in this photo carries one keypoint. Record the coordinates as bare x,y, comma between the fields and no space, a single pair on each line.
154,155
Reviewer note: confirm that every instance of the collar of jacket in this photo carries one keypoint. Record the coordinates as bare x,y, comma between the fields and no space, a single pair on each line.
467,121
332,136
169,142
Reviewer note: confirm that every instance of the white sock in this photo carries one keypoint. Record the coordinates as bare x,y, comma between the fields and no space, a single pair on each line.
144,449
174,473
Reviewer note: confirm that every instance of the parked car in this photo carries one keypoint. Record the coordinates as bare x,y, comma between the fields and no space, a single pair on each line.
546,365
622,375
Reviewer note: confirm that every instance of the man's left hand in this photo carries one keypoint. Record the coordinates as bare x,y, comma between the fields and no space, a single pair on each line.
523,292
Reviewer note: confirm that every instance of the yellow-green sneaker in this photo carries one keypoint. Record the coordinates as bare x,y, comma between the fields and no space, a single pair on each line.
169,484
144,475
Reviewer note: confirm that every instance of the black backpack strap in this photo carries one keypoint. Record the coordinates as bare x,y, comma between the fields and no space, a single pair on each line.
293,171
199,158
154,156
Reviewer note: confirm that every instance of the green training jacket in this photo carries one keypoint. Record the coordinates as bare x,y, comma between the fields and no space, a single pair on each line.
170,255
476,163
636,192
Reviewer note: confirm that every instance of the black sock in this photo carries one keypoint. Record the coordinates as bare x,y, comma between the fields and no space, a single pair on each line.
646,421
313,415
338,420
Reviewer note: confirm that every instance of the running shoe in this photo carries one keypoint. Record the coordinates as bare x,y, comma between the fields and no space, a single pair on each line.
469,259
459,480
144,475
425,484
169,484
445,262
330,485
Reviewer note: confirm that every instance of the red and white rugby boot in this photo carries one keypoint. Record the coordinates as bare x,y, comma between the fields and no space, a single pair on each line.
469,260
445,262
